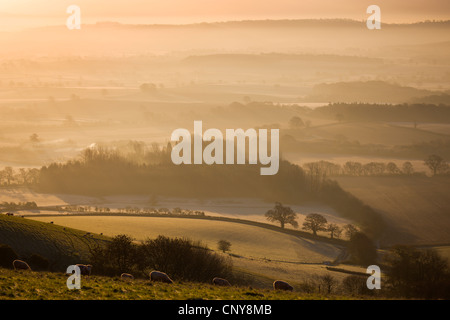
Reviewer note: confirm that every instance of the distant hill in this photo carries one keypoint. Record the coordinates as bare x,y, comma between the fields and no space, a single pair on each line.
322,35
365,92
277,60
60,246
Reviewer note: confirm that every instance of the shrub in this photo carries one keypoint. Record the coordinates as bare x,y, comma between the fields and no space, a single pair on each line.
224,245
7,256
356,286
116,257
417,273
362,249
38,262
182,259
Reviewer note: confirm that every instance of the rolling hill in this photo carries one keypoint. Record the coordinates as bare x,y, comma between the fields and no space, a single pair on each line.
247,240
59,245
416,209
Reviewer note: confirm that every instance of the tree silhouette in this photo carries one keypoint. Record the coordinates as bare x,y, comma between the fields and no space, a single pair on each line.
296,122
315,222
334,230
224,245
283,215
436,164
407,168
350,230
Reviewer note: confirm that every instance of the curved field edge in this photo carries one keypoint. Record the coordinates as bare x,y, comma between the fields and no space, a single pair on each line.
297,233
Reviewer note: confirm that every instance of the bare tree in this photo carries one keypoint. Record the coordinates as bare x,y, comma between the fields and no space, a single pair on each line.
224,245
350,230
315,222
407,168
283,215
436,164
334,230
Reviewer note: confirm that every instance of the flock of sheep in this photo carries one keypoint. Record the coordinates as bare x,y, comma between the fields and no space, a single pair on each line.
154,276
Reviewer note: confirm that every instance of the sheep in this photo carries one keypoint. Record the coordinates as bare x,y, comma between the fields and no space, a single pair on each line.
160,276
221,282
20,265
85,270
282,285
126,276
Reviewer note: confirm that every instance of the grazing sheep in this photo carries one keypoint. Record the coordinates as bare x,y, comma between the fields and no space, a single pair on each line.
126,276
282,285
85,270
221,282
160,276
20,265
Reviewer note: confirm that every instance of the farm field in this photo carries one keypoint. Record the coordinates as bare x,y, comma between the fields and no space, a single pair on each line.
64,246
376,132
241,208
247,241
417,209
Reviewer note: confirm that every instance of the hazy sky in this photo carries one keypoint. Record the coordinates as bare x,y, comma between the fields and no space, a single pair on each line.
15,14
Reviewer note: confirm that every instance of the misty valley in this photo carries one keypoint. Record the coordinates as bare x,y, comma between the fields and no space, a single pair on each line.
300,150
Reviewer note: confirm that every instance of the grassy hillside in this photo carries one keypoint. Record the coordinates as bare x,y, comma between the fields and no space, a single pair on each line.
417,209
32,285
62,246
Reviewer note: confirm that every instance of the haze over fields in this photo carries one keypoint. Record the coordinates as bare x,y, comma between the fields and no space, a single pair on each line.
86,118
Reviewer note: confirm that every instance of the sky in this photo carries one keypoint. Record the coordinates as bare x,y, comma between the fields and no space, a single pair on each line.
19,14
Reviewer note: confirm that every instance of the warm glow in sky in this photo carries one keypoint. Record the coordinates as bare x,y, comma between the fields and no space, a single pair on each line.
16,14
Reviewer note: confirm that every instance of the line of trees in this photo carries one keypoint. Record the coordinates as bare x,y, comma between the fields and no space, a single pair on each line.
131,210
11,206
320,170
314,222
22,176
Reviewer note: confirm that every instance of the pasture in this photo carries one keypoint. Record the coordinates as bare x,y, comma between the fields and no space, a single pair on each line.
52,286
247,241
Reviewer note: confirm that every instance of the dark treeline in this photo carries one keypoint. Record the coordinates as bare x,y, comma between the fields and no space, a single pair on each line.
30,205
385,112
345,146
102,172
322,169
